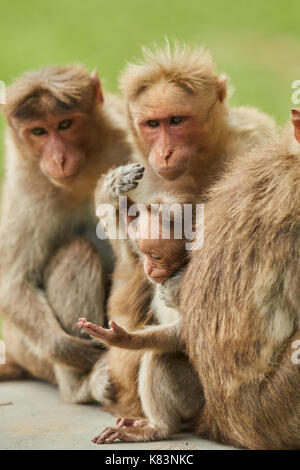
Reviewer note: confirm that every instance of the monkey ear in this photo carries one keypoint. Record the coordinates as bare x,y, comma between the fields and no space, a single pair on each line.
296,123
96,85
222,87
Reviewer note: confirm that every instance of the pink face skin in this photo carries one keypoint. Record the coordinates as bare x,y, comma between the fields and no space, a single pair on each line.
161,257
58,141
170,127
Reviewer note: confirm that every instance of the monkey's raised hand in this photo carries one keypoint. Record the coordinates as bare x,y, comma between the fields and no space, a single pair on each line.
115,336
118,182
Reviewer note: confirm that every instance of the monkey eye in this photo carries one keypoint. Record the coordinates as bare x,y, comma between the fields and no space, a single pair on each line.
39,131
153,123
155,257
176,120
64,124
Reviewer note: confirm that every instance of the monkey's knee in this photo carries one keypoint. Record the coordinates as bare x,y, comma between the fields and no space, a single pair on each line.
74,284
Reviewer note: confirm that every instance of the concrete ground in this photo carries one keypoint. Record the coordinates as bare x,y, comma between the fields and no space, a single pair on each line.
33,417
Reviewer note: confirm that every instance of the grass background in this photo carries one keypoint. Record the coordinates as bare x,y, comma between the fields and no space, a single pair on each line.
256,42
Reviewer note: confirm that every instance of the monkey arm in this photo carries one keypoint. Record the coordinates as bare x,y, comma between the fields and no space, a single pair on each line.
165,338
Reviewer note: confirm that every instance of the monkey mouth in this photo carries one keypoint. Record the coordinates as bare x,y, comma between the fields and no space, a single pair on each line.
66,179
172,173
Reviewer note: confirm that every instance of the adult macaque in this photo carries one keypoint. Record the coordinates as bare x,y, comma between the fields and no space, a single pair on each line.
241,300
184,133
180,121
61,138
169,389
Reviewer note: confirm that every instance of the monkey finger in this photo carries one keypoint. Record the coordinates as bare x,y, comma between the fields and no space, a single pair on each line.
116,328
102,335
95,439
106,434
128,186
136,175
132,167
112,438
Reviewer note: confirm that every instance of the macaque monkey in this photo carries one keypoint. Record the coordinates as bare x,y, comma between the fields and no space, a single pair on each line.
168,386
61,137
180,121
240,296
184,133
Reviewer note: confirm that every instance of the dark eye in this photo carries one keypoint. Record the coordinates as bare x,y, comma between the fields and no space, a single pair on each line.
153,123
39,131
155,257
176,120
65,124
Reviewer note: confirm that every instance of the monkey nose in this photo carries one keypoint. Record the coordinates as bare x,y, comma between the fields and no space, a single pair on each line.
166,155
59,159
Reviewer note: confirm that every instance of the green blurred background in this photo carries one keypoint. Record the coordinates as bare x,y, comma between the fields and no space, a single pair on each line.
256,42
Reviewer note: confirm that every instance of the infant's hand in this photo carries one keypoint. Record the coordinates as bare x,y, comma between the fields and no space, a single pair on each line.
114,336
125,178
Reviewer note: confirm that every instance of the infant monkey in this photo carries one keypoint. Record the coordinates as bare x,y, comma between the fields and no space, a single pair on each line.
169,389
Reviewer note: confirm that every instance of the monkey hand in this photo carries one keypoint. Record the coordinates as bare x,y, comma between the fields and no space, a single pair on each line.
124,179
115,336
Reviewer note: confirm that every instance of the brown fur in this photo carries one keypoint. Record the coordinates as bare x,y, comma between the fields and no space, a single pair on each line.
39,216
221,134
240,299
169,389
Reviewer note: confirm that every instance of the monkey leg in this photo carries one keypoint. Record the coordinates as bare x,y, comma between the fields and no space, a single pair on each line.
74,285
171,395
23,359
78,387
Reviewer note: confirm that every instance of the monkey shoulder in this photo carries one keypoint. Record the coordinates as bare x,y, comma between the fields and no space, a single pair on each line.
249,126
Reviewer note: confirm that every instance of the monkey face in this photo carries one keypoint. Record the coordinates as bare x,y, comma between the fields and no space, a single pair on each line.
53,120
58,142
161,258
171,127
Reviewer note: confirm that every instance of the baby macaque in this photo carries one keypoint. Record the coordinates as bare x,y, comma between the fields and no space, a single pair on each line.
178,397
185,133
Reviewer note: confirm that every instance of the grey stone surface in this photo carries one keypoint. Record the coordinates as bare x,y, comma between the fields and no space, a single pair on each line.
33,417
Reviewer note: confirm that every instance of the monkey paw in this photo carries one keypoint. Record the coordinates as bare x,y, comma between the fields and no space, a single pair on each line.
116,335
125,178
127,434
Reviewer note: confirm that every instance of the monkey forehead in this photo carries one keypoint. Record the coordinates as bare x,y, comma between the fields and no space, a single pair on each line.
146,245
167,248
52,120
163,100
